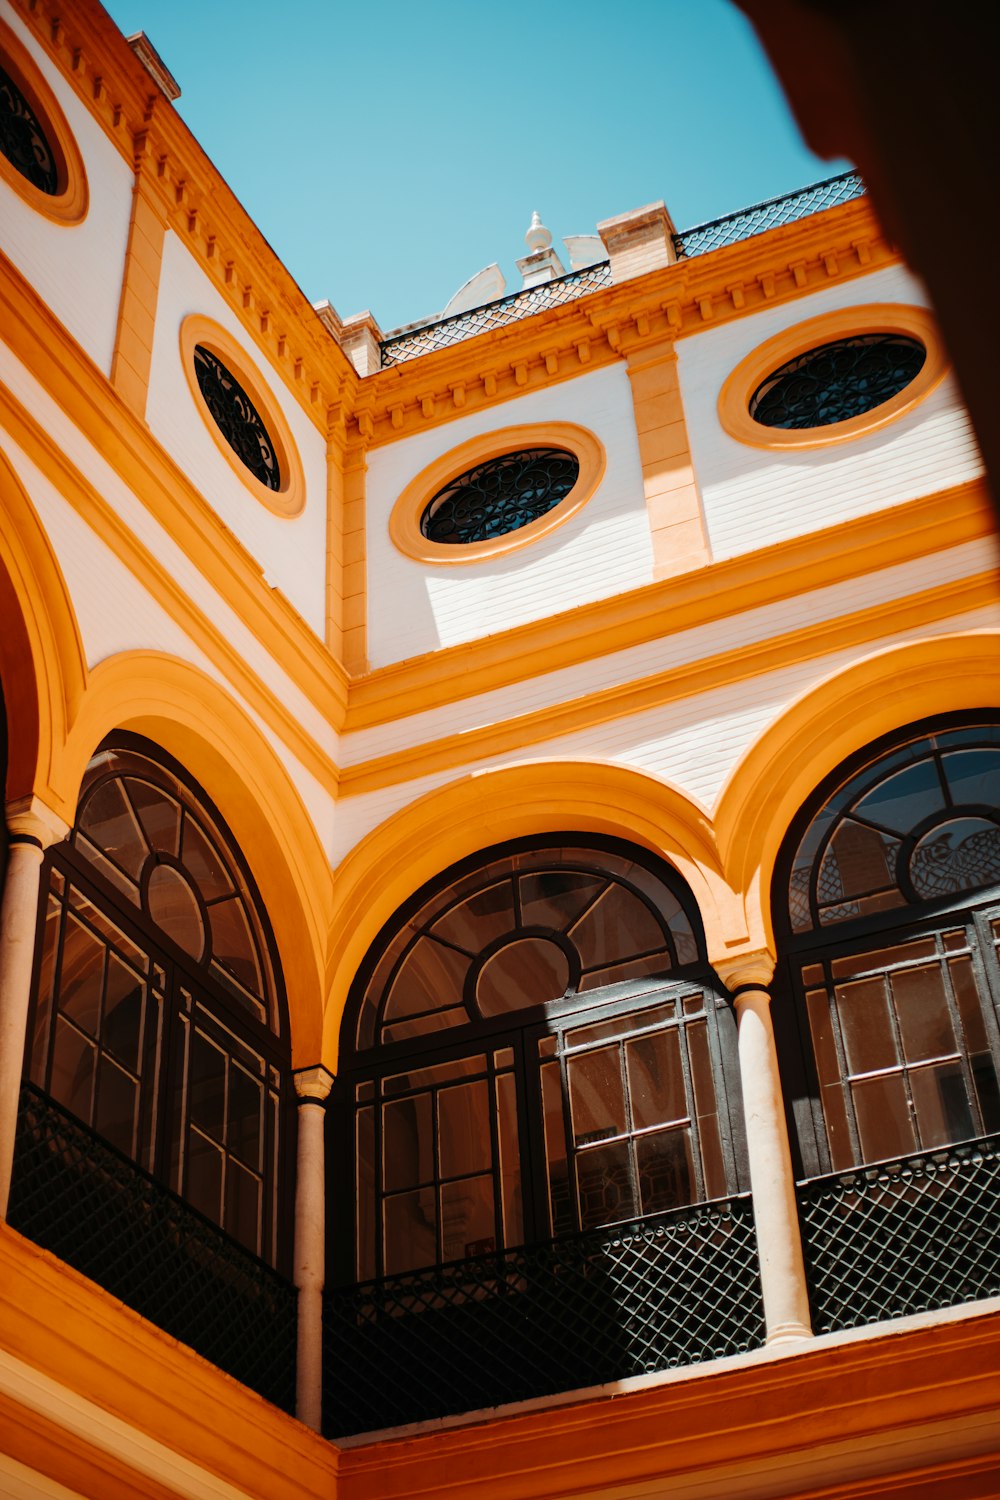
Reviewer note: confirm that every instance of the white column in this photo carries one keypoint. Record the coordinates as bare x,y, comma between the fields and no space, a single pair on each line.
779,1245
33,827
312,1085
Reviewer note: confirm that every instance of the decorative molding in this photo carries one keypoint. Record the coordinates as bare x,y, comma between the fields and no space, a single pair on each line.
518,731
290,498
404,521
115,86
841,323
603,327
67,206
112,428
722,590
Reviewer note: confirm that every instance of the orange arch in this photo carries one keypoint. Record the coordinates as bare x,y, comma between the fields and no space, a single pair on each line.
42,662
487,807
835,718
195,720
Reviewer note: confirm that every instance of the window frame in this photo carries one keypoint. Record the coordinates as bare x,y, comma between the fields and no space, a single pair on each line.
521,1030
896,925
224,1010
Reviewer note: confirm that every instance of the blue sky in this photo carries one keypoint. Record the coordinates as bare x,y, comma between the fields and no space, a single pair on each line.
389,150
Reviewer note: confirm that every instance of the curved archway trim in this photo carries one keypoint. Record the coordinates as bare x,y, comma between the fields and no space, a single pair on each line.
489,807
42,661
832,720
190,716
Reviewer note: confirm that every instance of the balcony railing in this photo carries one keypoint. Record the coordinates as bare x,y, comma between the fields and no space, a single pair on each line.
596,1307
771,214
700,239
80,1198
904,1236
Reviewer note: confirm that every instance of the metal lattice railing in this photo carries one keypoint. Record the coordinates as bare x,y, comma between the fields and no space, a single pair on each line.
80,1198
904,1236
510,309
596,1307
698,240
770,214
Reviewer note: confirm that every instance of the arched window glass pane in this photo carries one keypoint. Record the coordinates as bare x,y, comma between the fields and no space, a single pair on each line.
890,968
528,1065
157,1012
919,824
607,918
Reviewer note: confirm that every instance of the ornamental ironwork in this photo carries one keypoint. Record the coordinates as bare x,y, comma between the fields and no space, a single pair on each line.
500,496
837,381
22,139
907,1236
236,417
78,1197
653,1294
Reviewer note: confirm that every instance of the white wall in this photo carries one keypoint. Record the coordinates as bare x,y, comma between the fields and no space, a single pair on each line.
76,269
549,689
292,551
604,549
694,743
753,497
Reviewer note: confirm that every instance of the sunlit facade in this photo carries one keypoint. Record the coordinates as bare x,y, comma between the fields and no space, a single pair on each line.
499,981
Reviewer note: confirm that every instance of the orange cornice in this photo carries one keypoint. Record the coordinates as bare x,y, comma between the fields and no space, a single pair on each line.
54,358
110,1366
876,1413
784,570
92,54
790,262
655,691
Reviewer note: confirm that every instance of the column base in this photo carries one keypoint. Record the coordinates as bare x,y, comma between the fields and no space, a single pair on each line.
788,1333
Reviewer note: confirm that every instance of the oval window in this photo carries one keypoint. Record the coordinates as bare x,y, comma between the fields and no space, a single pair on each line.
39,158
236,417
23,140
837,381
500,496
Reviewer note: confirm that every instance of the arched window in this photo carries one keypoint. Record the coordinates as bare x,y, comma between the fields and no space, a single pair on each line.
533,1047
158,1017
887,893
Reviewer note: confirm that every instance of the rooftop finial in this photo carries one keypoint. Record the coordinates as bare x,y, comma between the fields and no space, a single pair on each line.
537,237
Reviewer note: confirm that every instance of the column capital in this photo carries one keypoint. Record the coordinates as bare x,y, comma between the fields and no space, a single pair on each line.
747,970
312,1084
30,820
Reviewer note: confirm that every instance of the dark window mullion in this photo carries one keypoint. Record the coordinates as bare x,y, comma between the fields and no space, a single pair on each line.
692,1104
842,1066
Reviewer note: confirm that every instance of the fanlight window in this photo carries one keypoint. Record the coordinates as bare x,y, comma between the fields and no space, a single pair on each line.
157,1014
23,140
500,496
538,1052
237,418
889,892
837,381
921,824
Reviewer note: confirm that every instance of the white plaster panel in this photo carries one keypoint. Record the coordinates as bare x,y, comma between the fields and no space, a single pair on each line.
76,269
190,582
115,613
291,550
673,650
753,497
604,549
694,743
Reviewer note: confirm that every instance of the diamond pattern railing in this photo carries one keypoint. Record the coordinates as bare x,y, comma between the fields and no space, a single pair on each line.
77,1196
509,309
904,1236
770,214
600,1306
698,240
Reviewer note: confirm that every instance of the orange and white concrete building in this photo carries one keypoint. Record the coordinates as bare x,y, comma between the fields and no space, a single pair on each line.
499,982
